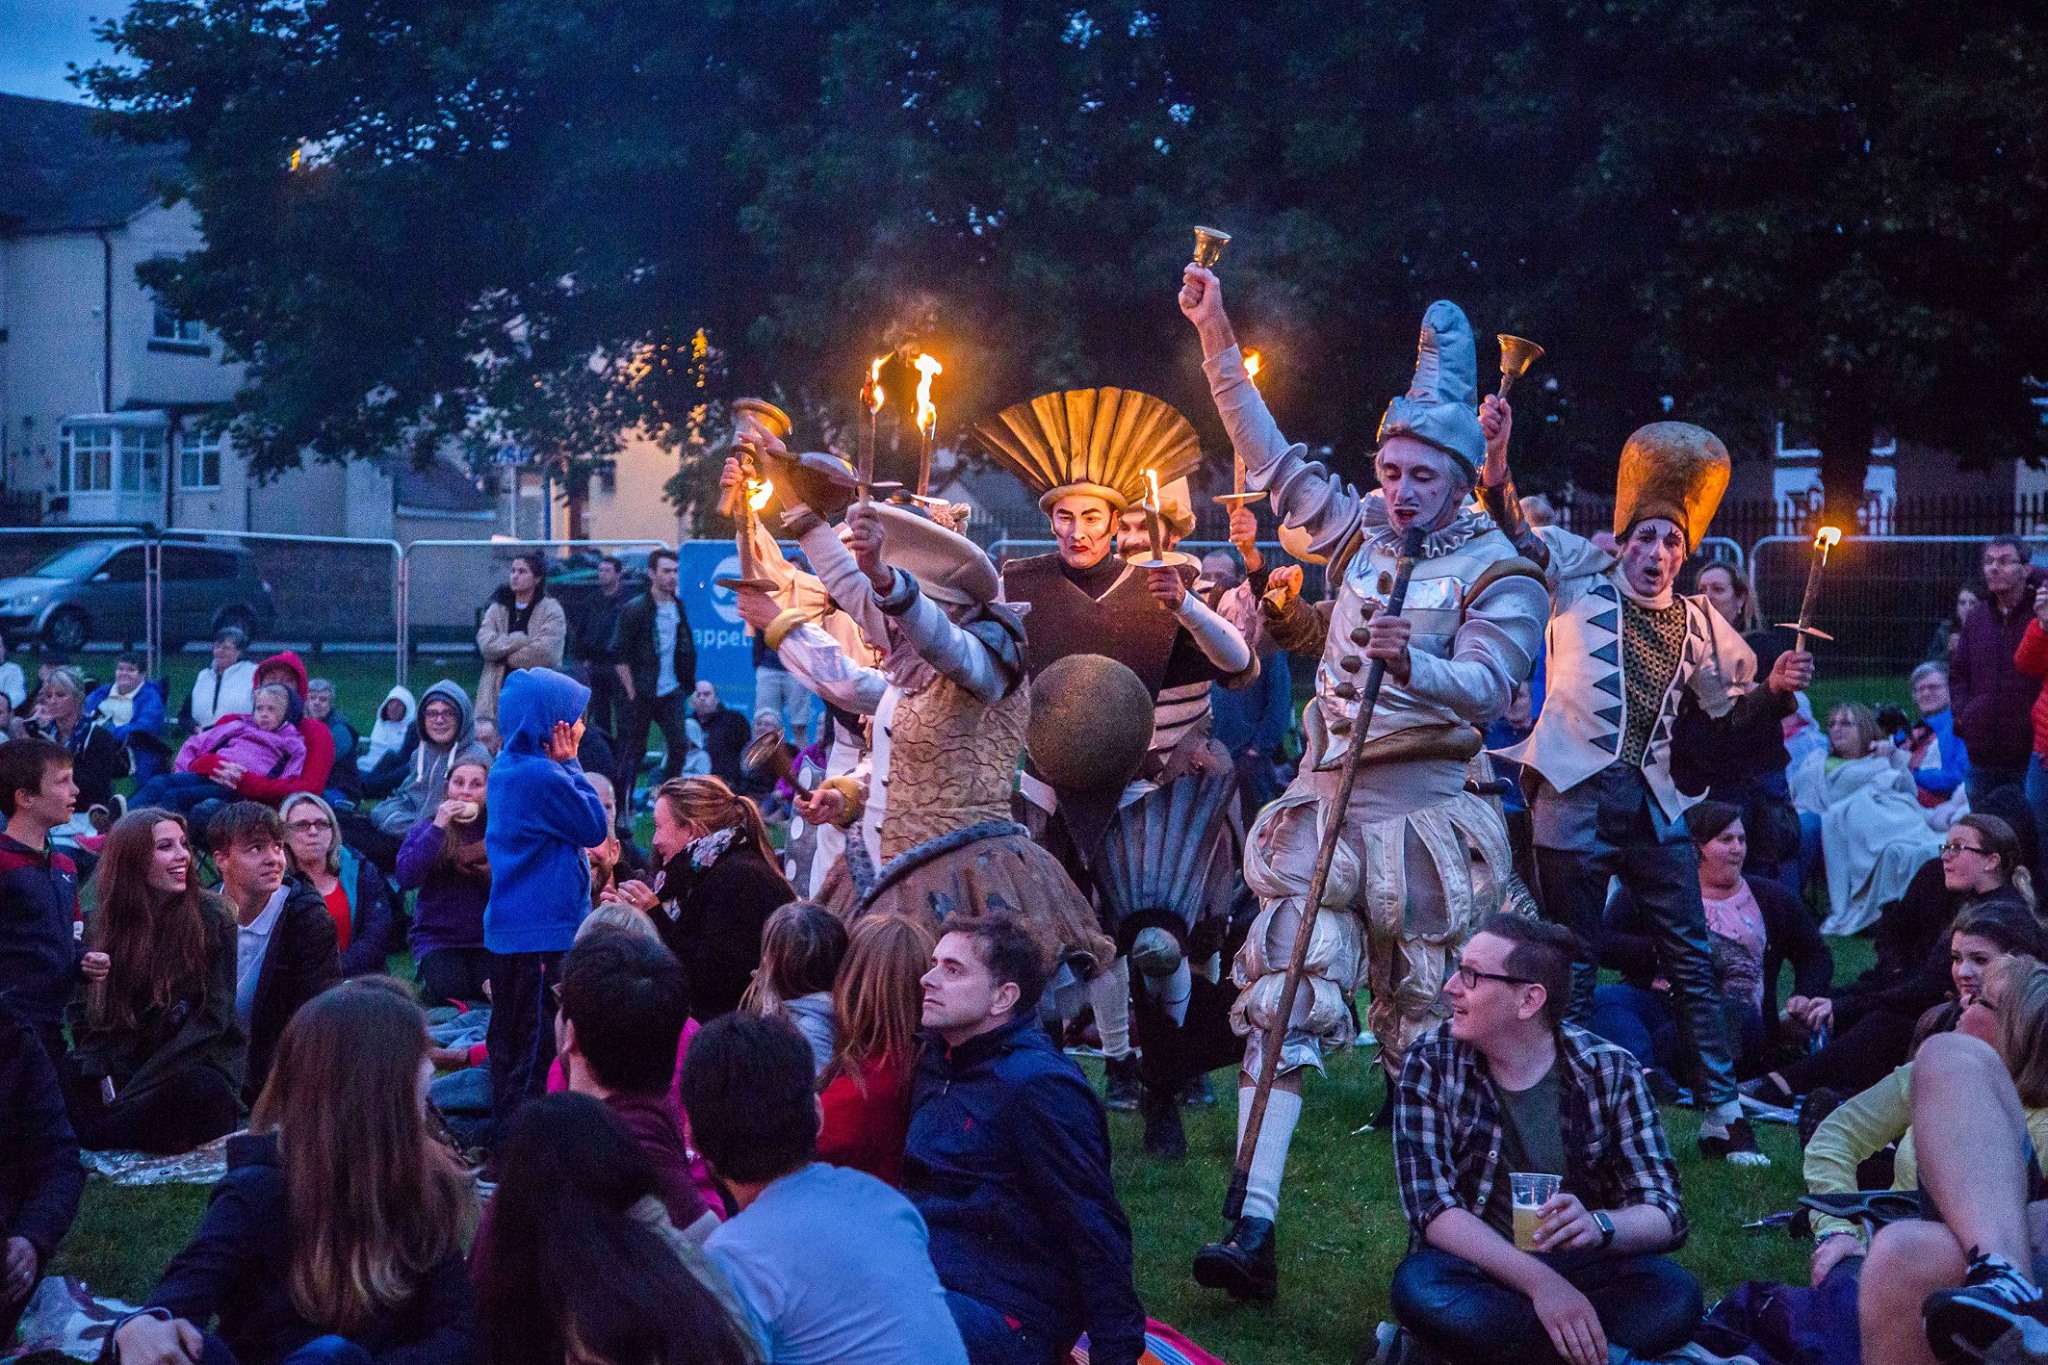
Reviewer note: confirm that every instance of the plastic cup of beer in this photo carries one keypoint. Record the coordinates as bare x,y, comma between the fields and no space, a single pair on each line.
1532,1189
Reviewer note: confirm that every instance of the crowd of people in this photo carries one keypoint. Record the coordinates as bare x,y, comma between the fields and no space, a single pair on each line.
794,1084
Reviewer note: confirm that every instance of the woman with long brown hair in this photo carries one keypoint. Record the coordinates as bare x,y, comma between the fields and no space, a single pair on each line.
157,1058
339,1224
879,1000
717,887
443,858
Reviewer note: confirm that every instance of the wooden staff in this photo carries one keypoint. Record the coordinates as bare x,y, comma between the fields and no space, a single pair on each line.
1326,853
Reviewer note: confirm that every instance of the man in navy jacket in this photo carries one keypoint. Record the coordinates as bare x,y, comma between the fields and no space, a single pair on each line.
1008,1161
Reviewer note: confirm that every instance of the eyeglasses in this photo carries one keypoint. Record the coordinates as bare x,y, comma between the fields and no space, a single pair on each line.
307,826
1951,850
1472,976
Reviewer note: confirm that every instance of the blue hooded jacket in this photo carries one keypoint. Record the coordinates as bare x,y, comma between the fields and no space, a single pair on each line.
541,816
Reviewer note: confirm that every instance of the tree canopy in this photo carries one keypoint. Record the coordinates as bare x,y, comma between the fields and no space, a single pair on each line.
507,220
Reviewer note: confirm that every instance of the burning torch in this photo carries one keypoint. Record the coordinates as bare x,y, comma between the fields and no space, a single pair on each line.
1824,540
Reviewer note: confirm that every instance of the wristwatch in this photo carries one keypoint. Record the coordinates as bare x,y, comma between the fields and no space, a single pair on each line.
1606,1226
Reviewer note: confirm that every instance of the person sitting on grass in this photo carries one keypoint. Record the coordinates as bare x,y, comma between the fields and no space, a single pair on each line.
264,741
831,1265
344,780
40,1178
1756,928
1006,1132
802,946
620,1026
444,737
578,1263
40,956
1962,1283
865,1091
158,1058
1506,1086
335,1238
98,760
284,939
132,709
352,887
443,858
2011,1014
224,687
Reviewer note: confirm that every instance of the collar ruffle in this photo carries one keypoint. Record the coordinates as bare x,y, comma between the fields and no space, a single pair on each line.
1380,533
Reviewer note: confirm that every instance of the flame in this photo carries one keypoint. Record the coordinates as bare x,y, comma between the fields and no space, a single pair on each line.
871,392
1827,538
758,493
927,413
1152,479
1253,363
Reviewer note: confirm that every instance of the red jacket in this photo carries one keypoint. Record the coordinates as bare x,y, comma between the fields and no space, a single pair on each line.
319,747
2031,658
867,1131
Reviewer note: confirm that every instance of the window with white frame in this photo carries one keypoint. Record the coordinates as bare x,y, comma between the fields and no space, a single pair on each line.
199,455
168,326
100,457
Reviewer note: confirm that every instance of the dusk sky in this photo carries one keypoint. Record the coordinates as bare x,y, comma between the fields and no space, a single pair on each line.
37,38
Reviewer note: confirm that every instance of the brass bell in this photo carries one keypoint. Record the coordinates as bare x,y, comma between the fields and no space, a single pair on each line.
1351,663
1517,354
1341,726
1359,635
1209,244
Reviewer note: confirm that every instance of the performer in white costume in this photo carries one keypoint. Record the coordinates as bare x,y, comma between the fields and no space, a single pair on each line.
1422,860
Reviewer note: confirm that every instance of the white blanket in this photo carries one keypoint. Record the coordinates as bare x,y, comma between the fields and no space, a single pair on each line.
1874,837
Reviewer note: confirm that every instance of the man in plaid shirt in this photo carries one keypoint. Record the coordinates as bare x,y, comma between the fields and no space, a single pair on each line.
1506,1086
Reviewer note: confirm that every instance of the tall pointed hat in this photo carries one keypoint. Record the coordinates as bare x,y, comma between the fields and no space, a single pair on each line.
1096,441
1440,408
1673,470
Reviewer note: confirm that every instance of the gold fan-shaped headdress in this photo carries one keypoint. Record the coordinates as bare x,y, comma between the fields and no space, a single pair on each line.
1098,441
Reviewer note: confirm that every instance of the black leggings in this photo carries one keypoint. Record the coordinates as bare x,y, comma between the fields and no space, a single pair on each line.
1859,1056
451,975
184,1109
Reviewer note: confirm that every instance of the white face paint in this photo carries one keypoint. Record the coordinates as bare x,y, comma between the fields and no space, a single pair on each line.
1422,486
1651,556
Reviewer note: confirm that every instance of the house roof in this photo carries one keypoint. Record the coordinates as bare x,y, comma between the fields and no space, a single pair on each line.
57,173
438,486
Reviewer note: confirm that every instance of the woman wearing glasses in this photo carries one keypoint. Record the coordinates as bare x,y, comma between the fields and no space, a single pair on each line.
1871,1024
357,896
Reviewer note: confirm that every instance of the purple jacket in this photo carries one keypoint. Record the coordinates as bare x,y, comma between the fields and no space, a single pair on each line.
450,910
1992,700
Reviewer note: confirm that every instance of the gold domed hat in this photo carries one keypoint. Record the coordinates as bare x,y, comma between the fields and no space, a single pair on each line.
1093,441
1673,470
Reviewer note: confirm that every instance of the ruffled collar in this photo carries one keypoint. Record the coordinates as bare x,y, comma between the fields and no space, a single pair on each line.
1381,535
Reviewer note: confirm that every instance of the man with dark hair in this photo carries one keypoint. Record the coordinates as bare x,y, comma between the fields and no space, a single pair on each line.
599,618
831,1264
1506,1087
285,950
1006,1133
656,665
620,1019
40,946
1989,696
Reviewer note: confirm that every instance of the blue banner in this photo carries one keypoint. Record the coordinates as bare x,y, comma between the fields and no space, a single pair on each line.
725,651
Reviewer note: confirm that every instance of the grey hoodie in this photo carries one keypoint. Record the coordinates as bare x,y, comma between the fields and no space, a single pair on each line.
426,781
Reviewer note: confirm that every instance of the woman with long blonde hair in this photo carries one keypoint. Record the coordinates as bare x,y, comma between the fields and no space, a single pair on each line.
717,887
339,1225
866,1088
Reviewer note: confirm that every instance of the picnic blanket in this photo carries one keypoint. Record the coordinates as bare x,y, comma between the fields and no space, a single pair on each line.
63,1316
1163,1346
200,1166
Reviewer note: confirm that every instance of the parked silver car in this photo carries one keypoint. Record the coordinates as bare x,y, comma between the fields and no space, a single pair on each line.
92,590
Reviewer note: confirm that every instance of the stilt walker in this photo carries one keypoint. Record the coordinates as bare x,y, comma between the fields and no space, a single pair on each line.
1634,667
1091,455
1420,860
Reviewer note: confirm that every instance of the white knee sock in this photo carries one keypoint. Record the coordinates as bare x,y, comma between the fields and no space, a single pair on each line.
1173,992
1110,994
1269,1160
1715,1124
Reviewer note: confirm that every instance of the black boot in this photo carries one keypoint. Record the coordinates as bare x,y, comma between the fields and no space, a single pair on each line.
1164,1136
1122,1084
1244,1264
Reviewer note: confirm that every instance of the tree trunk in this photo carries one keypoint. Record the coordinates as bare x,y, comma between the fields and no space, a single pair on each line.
1846,429
577,504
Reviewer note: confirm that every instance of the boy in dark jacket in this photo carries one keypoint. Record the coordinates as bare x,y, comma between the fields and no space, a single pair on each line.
1008,1161
40,1178
542,813
41,951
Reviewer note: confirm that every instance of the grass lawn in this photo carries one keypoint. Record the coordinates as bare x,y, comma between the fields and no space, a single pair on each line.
1341,1229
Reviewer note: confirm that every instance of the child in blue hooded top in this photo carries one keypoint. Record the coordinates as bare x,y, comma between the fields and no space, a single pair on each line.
543,814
